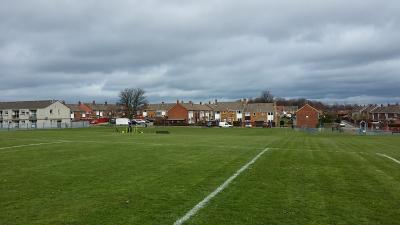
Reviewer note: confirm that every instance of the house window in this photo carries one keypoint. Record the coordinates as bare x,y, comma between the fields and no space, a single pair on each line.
6,113
254,114
51,111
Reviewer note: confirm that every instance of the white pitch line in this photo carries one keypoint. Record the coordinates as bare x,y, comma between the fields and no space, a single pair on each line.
386,156
318,150
21,146
203,203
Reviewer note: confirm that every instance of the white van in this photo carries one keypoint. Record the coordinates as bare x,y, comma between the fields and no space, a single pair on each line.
224,124
121,121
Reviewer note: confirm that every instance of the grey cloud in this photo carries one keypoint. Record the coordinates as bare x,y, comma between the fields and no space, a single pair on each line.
200,50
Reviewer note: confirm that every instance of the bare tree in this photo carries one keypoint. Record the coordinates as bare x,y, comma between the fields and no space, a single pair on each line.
132,99
265,97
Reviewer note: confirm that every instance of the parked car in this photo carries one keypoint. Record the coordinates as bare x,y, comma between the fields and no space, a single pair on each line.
211,123
224,124
138,121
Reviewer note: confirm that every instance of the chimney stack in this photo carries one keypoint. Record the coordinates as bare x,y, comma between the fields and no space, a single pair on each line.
177,101
162,103
190,102
216,101
105,103
94,102
79,103
209,102
201,103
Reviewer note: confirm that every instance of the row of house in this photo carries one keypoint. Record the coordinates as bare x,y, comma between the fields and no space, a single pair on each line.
240,113
381,116
93,111
52,113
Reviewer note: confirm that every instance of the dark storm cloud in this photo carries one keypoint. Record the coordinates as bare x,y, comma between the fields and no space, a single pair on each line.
200,50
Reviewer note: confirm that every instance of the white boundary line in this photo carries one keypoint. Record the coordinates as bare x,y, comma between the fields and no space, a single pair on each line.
203,203
27,145
386,156
317,150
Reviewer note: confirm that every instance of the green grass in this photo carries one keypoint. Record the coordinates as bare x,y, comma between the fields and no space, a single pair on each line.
100,177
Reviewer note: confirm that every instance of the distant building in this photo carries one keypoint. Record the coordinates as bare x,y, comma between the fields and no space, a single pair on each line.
93,111
228,111
286,111
363,112
156,111
34,114
307,117
386,113
260,114
189,114
76,112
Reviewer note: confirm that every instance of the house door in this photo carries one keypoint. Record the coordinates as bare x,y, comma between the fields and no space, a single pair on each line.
58,123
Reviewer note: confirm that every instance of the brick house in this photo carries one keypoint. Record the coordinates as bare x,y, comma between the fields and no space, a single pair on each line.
92,111
286,111
156,111
178,115
307,117
189,114
76,112
386,116
228,111
363,113
285,114
98,110
260,114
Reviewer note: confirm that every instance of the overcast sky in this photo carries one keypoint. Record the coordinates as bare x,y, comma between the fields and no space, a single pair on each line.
331,50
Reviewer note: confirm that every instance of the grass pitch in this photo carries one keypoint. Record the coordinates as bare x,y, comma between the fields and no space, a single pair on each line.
96,176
